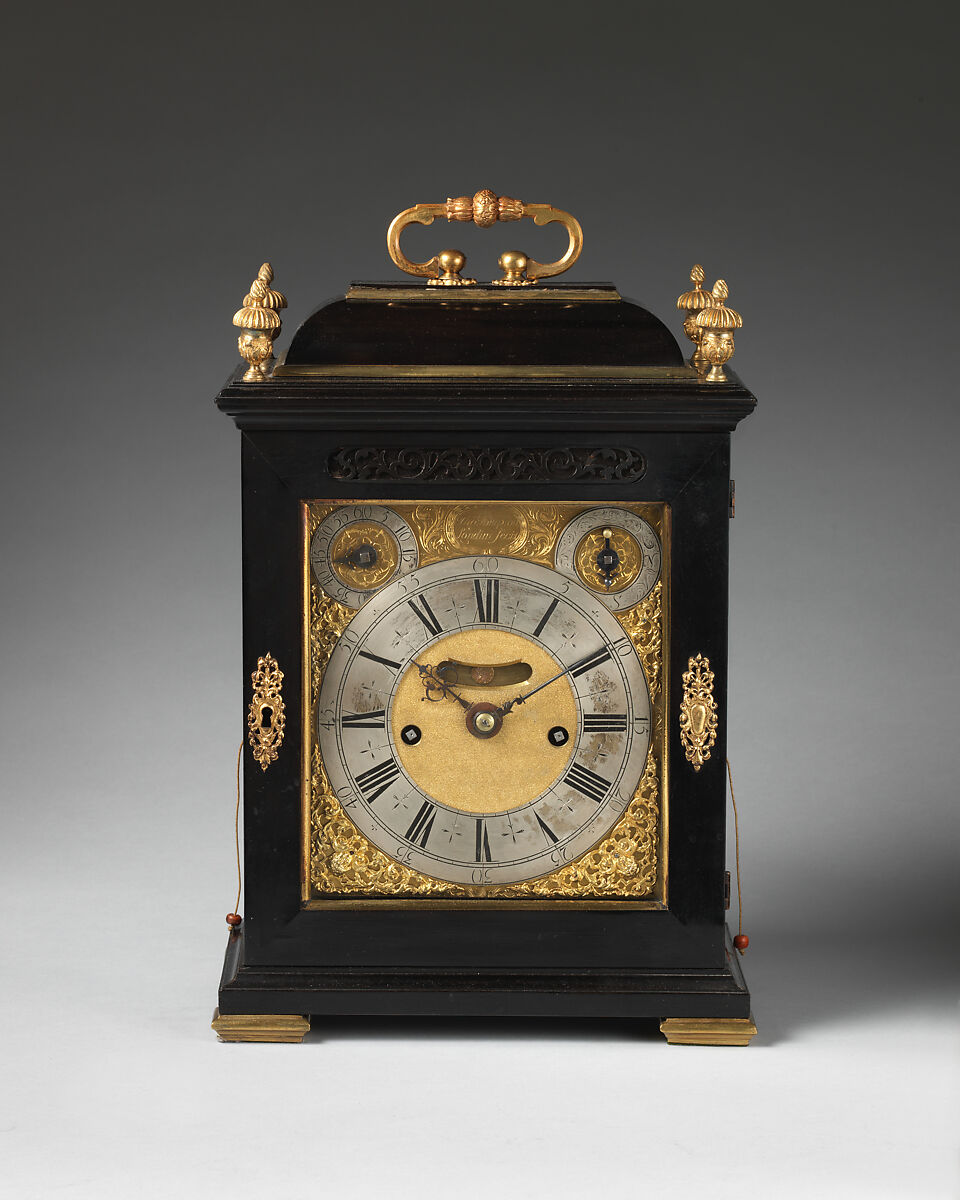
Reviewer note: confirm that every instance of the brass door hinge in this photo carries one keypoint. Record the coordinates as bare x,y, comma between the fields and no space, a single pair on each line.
732,500
726,889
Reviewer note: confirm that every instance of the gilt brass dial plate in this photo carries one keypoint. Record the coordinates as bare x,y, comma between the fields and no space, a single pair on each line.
402,795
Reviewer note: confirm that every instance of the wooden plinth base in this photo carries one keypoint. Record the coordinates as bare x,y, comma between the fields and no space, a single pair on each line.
276,1003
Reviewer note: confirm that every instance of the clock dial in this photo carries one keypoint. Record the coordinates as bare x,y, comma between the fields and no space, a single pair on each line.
484,720
359,548
615,552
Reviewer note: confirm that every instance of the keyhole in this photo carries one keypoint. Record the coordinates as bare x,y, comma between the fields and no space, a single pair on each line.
266,717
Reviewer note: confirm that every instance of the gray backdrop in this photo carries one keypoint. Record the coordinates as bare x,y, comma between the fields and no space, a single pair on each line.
806,154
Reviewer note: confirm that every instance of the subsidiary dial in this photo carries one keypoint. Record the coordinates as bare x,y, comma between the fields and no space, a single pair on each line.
614,552
358,549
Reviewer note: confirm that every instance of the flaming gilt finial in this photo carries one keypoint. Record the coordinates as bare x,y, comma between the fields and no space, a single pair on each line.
716,325
692,303
271,299
259,324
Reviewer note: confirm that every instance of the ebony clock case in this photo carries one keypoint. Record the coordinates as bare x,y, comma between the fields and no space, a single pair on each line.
543,397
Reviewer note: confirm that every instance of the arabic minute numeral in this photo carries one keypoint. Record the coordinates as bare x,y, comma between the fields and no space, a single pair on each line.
623,646
560,855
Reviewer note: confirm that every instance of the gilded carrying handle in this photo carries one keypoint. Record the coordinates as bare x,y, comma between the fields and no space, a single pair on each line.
484,209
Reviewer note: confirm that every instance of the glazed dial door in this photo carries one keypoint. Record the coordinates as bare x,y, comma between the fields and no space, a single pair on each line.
484,720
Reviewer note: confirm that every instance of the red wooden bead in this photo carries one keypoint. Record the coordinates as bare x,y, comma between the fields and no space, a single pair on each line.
234,919
741,941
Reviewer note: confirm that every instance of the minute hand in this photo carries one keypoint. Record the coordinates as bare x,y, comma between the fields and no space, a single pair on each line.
577,668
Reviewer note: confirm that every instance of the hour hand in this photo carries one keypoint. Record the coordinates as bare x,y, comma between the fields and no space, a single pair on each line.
433,681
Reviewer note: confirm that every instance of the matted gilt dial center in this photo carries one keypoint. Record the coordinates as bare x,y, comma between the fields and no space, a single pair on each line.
478,760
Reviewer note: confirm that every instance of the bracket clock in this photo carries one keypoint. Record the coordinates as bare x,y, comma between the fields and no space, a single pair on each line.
485,531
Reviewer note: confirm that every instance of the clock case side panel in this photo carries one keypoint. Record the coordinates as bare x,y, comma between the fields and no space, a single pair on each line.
272,589
696,834
280,470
